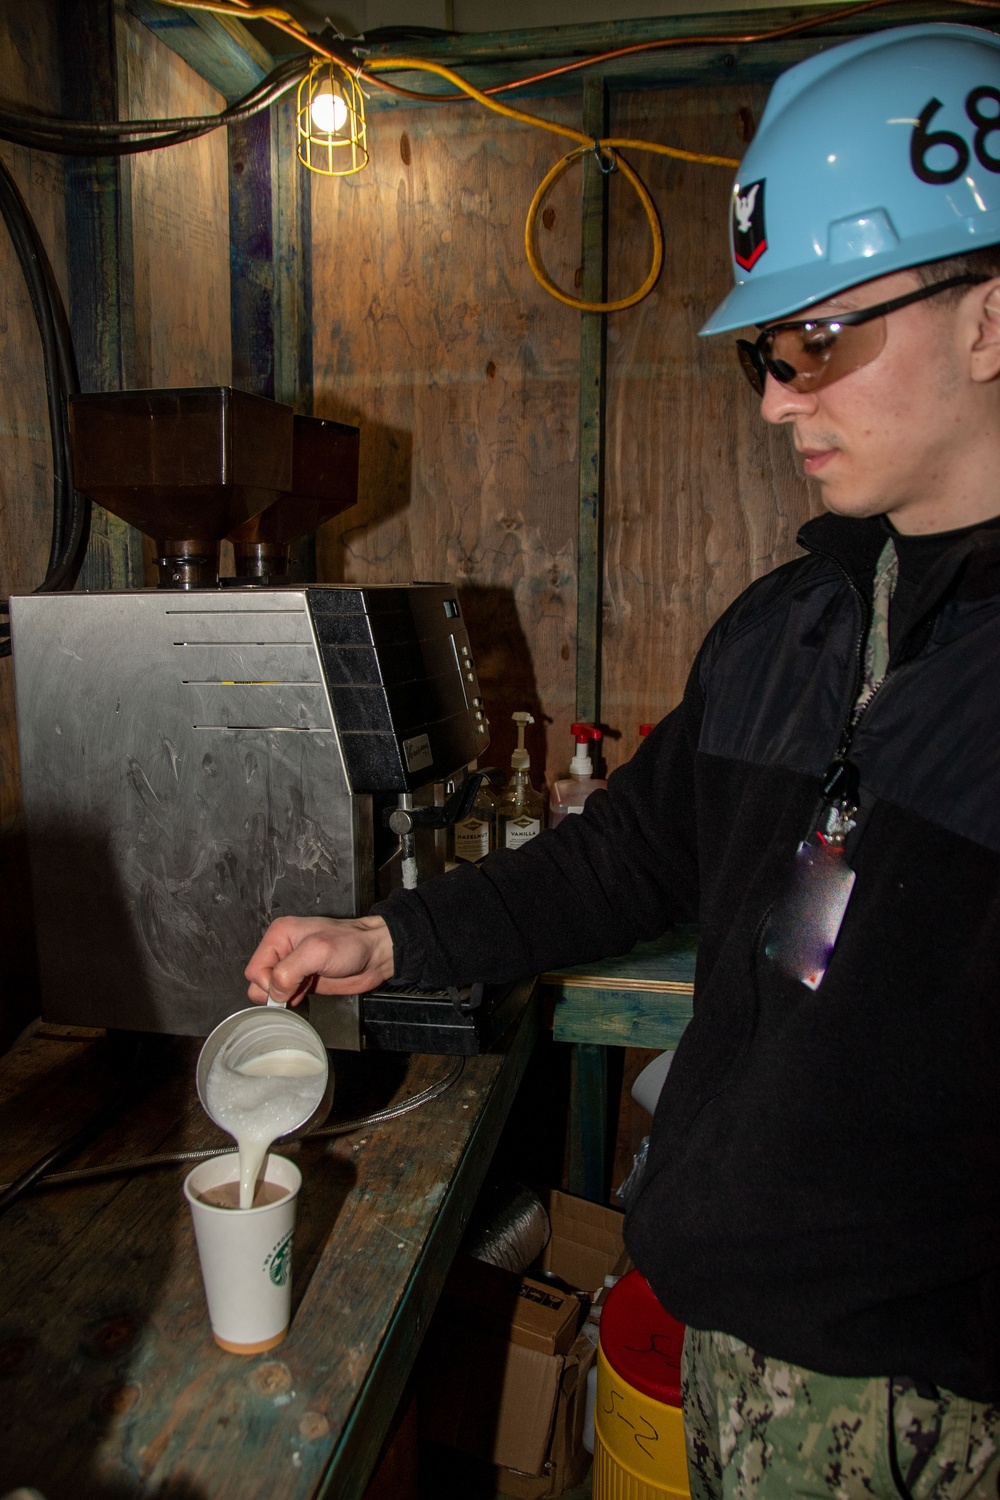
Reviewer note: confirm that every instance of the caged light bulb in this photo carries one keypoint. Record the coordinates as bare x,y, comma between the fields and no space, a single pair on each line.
329,111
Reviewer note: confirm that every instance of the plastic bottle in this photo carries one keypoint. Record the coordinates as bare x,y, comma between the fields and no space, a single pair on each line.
471,840
521,810
571,792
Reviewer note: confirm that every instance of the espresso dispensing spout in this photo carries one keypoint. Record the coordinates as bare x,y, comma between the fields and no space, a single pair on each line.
405,818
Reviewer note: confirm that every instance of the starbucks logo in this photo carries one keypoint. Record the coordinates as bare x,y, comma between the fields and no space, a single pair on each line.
278,1264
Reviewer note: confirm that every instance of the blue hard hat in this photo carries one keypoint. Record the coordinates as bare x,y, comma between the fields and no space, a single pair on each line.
872,157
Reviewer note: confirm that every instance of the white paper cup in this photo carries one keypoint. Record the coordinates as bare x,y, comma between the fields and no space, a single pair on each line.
245,1254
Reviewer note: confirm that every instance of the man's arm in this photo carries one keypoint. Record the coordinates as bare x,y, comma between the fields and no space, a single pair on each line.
621,871
298,954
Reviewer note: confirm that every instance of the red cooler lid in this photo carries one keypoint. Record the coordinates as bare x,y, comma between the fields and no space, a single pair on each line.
641,1341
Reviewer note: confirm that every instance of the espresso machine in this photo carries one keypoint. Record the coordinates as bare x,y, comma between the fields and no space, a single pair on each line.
201,757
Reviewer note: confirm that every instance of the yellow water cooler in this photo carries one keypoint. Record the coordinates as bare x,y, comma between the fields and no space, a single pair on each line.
639,1449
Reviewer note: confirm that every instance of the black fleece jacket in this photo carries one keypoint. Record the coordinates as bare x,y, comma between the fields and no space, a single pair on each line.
824,1168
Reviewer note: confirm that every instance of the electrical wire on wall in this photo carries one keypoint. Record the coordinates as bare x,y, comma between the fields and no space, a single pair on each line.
368,70
126,137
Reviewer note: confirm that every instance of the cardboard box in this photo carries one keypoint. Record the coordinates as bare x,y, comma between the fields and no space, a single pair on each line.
517,1309
568,1460
586,1241
488,1389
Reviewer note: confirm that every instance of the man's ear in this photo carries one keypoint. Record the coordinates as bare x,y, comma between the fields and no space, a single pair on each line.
985,350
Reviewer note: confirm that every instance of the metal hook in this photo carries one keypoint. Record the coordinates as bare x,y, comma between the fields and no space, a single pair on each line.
598,149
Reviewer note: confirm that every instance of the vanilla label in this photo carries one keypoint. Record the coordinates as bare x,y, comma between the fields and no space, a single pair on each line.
520,830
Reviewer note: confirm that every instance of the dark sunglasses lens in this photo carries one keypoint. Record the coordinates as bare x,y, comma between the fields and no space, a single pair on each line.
752,364
817,354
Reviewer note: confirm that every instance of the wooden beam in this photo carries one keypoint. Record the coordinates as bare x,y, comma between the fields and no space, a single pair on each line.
292,234
588,1136
99,257
593,365
270,267
293,310
251,253
487,59
221,50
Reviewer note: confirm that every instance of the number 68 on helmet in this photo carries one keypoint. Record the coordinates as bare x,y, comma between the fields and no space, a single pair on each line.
871,157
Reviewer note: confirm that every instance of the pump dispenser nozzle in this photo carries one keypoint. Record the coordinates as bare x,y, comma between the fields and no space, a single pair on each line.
581,764
521,809
520,760
570,792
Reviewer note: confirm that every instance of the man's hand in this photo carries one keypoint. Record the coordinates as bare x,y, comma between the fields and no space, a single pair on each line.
299,954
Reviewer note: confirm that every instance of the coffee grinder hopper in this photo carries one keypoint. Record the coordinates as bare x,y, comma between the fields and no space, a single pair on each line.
192,466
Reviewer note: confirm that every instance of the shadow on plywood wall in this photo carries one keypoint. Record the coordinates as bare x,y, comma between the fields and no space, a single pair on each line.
359,546
506,674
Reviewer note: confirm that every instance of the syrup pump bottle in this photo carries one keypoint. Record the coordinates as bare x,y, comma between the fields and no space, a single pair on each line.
571,792
521,810
472,839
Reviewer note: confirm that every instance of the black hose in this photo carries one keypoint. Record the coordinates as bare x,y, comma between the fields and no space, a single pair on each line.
126,1065
128,137
61,379
70,510
69,1147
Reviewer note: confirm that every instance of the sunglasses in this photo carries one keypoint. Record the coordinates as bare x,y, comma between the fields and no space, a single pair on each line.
811,353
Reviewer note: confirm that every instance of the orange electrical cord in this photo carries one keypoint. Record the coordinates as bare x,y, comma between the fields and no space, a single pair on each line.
606,148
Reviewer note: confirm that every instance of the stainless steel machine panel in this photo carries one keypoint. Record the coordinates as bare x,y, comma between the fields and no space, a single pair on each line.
184,782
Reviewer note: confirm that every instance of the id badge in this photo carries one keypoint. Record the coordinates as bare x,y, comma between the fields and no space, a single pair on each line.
806,919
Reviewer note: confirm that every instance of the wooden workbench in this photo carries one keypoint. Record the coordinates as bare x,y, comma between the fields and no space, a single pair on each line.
642,999
110,1383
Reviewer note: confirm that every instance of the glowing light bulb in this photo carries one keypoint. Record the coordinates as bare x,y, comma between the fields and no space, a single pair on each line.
328,110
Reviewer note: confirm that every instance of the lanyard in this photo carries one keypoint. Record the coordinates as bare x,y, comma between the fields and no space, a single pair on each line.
804,923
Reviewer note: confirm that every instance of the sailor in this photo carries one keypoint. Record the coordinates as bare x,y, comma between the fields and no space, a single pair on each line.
821,1204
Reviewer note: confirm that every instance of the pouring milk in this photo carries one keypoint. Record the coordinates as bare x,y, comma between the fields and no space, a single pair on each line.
261,1097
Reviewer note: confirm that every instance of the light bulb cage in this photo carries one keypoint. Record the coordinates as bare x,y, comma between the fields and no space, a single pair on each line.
340,152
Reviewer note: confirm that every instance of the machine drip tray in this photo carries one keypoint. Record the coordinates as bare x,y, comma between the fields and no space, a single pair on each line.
463,1021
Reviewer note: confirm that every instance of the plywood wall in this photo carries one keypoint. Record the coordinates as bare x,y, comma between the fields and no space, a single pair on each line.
180,224
701,494
28,77
431,332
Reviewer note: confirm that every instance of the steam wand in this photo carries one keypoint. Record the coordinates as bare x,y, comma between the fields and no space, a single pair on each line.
405,818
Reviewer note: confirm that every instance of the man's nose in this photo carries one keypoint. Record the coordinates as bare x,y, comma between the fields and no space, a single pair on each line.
780,403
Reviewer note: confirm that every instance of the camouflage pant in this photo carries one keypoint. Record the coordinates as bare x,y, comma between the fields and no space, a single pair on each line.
760,1429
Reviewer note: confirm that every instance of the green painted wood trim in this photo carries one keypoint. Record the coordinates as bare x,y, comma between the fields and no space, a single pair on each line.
292,246
593,369
541,43
486,59
220,50
98,201
352,1461
292,269
588,1137
251,253
621,1018
669,957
